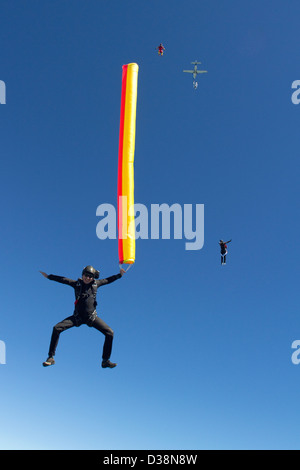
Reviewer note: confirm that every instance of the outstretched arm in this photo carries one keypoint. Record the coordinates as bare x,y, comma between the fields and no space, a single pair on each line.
108,280
60,279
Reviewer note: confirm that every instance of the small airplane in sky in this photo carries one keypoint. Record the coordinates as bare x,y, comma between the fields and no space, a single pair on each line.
195,72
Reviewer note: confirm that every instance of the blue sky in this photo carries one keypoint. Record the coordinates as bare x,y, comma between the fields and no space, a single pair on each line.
203,351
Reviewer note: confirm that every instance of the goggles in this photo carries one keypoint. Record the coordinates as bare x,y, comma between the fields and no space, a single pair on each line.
91,276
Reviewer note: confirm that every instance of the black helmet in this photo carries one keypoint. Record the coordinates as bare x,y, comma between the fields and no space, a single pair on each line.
91,270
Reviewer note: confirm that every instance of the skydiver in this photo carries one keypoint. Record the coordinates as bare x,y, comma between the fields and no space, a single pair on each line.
160,49
223,247
85,311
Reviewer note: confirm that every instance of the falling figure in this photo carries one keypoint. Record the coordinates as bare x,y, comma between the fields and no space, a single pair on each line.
160,49
223,247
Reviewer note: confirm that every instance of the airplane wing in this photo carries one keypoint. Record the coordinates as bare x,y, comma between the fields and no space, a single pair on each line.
201,71
188,71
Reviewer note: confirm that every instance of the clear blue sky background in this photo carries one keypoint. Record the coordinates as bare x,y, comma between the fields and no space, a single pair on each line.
203,351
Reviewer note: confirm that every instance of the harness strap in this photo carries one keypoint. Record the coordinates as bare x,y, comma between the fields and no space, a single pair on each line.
78,291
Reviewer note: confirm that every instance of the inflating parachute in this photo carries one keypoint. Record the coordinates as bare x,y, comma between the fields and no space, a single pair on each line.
126,223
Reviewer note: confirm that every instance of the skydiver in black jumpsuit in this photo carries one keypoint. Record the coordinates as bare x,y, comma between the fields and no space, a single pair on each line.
223,246
85,311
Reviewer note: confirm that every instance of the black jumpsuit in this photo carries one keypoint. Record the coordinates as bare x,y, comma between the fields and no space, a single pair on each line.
84,313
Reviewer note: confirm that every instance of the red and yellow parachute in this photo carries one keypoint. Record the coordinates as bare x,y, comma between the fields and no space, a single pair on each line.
126,223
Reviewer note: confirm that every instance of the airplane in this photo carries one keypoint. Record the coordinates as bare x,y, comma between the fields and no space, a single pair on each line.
195,72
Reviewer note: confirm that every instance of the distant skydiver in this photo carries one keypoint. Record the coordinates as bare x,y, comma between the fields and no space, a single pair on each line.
84,311
160,49
223,247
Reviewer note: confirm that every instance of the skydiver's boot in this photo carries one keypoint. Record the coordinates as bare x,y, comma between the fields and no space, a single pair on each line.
49,362
108,364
